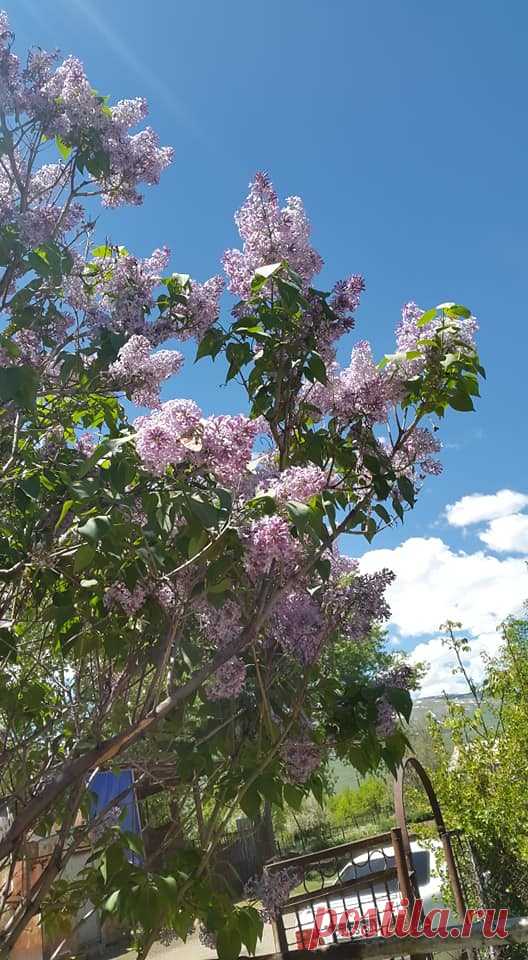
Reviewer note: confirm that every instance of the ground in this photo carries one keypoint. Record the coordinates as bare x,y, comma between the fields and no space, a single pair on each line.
193,949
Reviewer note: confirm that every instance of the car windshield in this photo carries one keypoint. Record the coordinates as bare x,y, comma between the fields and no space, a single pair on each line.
356,871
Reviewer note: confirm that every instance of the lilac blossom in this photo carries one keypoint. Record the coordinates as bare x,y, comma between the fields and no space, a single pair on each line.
221,624
119,597
360,390
273,890
302,758
228,681
109,820
202,307
141,372
228,445
401,677
386,720
346,295
298,625
298,483
355,601
269,234
206,937
271,543
165,436
86,443
416,450
408,335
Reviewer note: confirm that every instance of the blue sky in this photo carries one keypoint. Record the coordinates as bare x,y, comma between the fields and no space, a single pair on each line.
403,127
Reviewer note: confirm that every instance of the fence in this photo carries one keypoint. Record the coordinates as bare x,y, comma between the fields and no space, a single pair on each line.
361,877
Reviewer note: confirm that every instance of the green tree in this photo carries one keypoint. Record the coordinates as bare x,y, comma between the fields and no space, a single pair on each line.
479,770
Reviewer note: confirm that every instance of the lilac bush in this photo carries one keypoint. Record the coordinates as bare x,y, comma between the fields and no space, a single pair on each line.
173,585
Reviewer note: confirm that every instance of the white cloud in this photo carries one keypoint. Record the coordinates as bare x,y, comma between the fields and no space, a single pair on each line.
507,534
479,507
435,583
441,664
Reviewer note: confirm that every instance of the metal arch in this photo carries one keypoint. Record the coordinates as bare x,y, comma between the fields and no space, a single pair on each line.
401,820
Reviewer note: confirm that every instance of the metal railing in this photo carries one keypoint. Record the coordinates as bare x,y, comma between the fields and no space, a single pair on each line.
359,877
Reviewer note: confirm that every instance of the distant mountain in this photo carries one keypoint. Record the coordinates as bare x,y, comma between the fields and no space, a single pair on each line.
422,706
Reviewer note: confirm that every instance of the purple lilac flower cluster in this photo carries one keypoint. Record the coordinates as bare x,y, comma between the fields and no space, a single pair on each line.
270,543
302,758
176,431
269,234
228,680
361,389
297,483
272,889
408,333
401,677
206,937
119,597
386,720
416,451
221,624
141,373
353,601
298,625
63,100
86,443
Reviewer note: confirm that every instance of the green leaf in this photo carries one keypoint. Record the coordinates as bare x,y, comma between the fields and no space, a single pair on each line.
221,587
63,147
134,842
96,528
293,796
317,788
317,369
397,507
383,513
237,354
210,344
455,310
300,514
324,568
427,317
196,543
19,385
265,501
83,557
400,700
112,903
102,251
31,486
461,401
204,512
250,926
8,644
228,943
407,490
250,804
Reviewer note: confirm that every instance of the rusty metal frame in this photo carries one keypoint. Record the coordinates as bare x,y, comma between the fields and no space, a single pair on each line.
443,833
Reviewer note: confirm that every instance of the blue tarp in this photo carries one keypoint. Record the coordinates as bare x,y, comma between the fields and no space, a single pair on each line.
106,786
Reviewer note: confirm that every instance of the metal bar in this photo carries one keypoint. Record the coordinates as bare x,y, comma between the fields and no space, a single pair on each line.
404,880
377,948
355,847
362,882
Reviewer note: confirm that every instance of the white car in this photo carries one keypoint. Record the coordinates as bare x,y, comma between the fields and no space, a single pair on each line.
376,897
